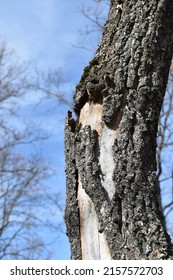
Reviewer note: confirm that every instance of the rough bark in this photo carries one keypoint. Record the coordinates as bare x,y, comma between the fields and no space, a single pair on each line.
112,207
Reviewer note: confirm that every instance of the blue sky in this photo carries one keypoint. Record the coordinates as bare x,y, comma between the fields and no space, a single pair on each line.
43,31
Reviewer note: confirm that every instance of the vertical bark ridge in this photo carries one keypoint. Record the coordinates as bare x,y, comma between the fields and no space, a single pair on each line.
71,211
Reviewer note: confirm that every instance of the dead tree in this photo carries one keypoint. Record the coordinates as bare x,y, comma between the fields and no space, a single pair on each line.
113,206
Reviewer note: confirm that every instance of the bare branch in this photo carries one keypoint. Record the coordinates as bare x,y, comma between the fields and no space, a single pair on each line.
23,176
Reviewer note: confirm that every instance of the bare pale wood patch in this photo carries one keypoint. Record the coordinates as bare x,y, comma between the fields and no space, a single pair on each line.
91,114
93,244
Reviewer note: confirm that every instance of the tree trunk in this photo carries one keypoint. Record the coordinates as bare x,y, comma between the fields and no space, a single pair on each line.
113,200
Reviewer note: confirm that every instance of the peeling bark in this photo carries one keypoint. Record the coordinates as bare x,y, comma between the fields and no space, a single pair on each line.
113,200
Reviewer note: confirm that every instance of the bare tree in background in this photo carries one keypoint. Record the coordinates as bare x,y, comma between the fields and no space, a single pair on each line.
164,151
27,204
95,16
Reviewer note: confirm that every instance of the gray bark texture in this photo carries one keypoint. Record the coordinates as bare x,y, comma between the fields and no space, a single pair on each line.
113,200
